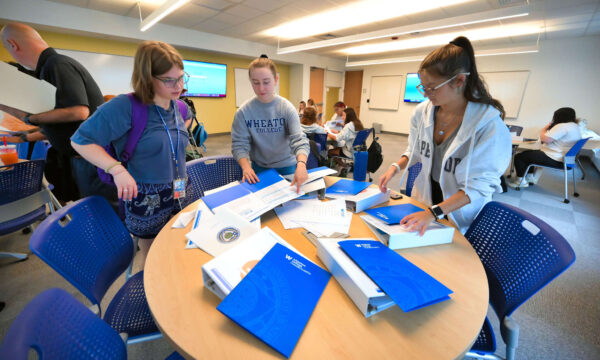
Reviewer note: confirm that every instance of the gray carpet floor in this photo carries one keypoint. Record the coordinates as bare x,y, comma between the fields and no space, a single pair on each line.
560,322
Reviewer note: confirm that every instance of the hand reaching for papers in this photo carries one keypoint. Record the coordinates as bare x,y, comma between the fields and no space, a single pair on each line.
418,221
248,174
300,175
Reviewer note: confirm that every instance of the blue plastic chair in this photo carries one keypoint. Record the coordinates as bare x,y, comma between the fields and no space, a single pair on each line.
413,172
88,245
570,161
359,144
57,326
23,199
211,172
521,254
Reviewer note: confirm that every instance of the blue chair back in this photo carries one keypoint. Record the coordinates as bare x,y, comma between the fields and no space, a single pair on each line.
413,172
40,150
20,180
361,137
520,254
212,172
90,250
571,155
320,139
312,160
57,326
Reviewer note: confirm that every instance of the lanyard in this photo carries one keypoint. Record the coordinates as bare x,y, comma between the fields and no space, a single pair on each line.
174,151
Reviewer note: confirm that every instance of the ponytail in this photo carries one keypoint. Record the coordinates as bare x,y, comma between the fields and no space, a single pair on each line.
456,57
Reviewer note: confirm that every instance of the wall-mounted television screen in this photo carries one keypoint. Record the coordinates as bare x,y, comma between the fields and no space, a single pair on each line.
206,79
411,94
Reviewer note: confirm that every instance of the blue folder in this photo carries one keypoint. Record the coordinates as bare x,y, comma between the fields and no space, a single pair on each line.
277,297
393,214
409,287
266,178
349,187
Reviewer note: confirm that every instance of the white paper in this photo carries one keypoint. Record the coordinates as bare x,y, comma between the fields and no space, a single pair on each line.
313,186
203,213
222,232
183,219
24,92
322,218
233,183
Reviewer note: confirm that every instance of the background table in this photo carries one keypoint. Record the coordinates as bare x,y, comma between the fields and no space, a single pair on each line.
185,311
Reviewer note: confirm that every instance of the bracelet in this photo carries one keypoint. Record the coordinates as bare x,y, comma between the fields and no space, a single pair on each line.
394,164
302,161
26,120
23,137
112,166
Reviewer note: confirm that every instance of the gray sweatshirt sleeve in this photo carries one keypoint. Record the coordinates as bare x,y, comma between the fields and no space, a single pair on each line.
298,140
240,137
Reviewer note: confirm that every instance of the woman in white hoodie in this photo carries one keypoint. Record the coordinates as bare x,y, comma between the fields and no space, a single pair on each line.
459,137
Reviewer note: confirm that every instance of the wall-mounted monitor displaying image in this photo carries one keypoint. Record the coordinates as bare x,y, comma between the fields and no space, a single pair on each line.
206,79
411,94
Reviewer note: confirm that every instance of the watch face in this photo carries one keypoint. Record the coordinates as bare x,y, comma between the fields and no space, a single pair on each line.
439,213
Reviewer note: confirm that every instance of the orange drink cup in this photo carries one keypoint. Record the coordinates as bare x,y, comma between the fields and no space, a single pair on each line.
8,154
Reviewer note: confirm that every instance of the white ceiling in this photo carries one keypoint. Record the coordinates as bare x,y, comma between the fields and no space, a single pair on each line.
246,19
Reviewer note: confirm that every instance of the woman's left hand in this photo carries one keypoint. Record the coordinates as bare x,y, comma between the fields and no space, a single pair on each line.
418,221
300,176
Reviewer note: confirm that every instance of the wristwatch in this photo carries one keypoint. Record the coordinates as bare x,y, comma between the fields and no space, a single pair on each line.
23,137
437,212
27,121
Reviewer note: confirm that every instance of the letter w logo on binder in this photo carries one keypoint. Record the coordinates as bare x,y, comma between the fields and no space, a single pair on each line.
408,286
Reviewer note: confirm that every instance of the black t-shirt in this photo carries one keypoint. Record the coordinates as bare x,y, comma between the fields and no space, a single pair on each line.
74,86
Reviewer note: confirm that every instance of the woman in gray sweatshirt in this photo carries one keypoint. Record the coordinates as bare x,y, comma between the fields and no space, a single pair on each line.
266,132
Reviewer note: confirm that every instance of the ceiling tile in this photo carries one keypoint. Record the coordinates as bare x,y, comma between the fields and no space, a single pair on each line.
468,8
593,29
290,12
119,7
244,11
565,33
264,5
213,4
211,26
229,19
562,4
80,3
188,15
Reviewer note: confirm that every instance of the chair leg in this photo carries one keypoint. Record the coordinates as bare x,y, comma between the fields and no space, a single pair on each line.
575,193
580,167
130,267
566,200
19,256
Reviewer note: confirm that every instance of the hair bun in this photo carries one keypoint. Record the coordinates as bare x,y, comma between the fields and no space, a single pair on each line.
264,56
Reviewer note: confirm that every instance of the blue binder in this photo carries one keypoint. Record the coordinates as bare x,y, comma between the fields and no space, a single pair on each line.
349,187
409,287
393,214
277,297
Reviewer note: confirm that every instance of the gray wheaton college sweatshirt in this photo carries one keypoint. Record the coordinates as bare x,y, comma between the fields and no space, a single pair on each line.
268,134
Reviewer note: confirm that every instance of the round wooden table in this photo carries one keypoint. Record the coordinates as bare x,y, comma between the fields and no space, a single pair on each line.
185,311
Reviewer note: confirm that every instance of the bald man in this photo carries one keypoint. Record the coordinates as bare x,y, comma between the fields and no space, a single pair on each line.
77,97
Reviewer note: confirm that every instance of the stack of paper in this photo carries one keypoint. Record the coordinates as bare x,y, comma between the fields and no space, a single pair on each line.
322,218
408,286
395,213
276,299
225,271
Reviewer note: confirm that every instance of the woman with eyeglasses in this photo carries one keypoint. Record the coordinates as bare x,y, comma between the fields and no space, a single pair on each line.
153,182
459,137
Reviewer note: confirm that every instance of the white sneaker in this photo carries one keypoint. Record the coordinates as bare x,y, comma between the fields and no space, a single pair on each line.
535,177
518,183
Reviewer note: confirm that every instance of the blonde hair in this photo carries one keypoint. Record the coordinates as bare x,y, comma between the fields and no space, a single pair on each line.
263,62
152,58
309,116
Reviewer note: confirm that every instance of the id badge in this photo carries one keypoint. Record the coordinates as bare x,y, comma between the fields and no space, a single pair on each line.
178,188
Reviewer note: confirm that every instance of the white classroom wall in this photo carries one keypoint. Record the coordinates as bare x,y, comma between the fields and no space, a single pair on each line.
565,72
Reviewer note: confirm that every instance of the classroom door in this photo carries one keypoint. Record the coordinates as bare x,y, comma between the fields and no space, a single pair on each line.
353,90
317,81
332,96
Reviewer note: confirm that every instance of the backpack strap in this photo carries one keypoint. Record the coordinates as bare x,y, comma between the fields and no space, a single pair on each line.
139,120
183,108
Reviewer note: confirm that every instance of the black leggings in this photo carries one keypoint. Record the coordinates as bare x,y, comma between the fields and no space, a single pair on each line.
525,158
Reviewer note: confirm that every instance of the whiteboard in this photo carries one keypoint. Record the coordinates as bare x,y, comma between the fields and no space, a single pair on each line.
508,87
385,92
111,72
243,87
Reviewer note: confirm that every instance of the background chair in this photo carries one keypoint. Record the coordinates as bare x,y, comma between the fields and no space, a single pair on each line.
314,158
57,326
569,162
88,245
359,145
413,172
212,172
321,140
515,129
23,199
521,254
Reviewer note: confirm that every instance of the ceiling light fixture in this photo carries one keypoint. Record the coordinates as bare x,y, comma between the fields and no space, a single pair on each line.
481,17
165,9
487,33
355,14
487,52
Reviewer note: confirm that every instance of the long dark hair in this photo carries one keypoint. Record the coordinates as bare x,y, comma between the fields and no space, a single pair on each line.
456,57
351,117
563,115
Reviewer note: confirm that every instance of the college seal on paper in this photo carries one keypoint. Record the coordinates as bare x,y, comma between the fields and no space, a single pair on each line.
228,234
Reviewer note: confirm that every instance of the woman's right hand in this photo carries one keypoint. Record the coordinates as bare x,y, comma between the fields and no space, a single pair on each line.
126,186
249,175
389,174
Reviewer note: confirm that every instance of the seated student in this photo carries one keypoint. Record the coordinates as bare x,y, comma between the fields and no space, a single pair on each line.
336,123
266,132
309,124
557,138
301,108
345,138
150,184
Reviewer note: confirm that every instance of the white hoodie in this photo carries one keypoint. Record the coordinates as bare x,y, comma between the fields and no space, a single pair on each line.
474,162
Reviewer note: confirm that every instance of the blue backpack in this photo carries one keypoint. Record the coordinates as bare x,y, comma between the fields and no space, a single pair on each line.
139,120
